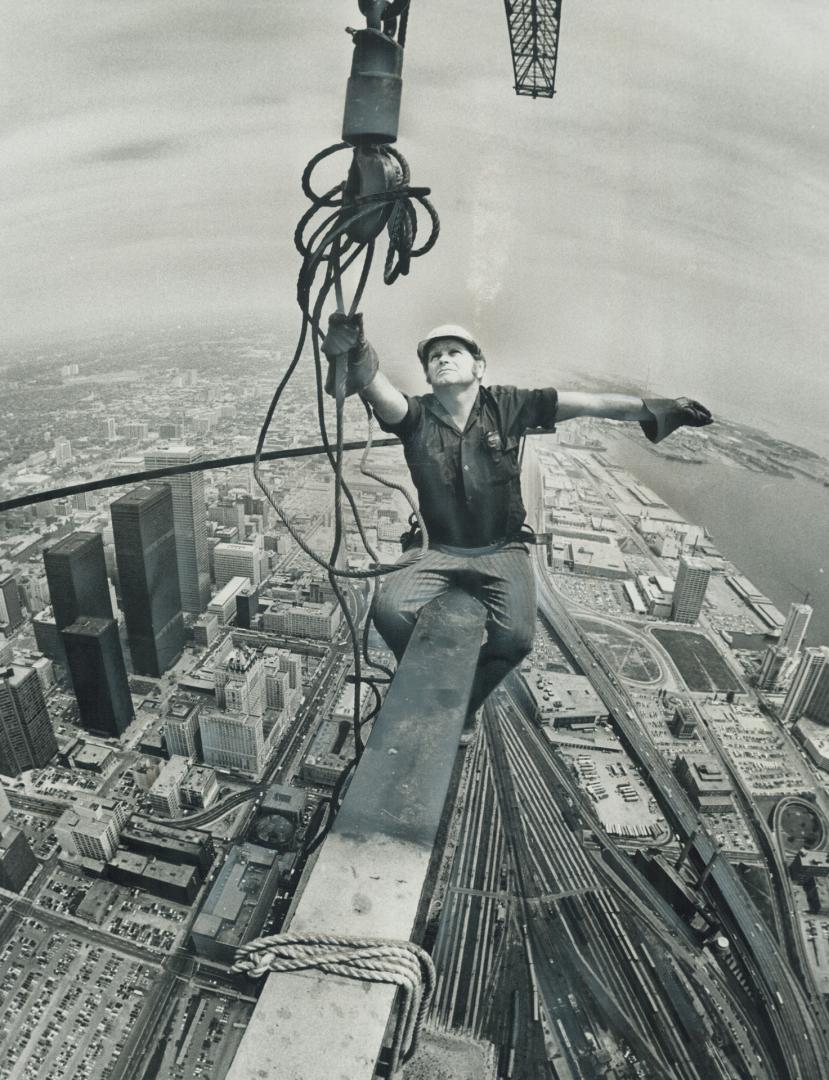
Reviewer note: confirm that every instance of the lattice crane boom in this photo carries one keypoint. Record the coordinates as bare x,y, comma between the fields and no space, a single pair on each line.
533,32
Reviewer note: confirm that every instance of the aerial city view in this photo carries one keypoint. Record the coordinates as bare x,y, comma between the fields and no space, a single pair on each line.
633,878
380,702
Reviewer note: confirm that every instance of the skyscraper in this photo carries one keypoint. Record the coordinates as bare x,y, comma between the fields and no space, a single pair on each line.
775,660
233,740
77,578
145,550
238,560
63,451
99,677
27,740
795,627
11,610
689,591
240,682
190,523
181,726
798,699
817,708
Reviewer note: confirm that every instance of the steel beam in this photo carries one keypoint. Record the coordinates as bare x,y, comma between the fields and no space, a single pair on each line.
369,878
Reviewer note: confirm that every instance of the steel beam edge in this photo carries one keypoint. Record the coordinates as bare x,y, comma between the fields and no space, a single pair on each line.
369,877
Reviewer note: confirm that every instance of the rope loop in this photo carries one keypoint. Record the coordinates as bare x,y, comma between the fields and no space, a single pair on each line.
382,960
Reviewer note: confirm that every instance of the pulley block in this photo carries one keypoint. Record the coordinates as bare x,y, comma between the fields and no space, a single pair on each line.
374,171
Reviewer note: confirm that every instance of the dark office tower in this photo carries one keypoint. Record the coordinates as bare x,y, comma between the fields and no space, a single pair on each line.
99,677
11,612
145,549
190,519
77,576
27,740
247,606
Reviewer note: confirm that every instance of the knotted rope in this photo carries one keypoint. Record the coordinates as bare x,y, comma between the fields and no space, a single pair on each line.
383,960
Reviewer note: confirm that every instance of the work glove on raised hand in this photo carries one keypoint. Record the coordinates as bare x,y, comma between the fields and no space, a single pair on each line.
667,414
346,337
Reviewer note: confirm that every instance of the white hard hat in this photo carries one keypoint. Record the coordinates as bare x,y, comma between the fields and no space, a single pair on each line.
447,331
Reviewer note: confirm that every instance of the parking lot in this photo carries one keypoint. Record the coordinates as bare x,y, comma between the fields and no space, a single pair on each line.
202,1036
133,915
66,1006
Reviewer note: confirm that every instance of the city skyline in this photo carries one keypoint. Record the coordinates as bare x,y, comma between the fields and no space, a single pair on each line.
668,175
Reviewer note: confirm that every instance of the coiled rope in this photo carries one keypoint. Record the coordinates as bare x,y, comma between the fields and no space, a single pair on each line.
380,960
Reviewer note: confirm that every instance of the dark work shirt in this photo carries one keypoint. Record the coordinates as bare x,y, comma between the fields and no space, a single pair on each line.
469,483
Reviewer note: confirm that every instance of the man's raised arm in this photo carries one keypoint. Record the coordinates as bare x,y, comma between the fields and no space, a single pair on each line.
346,338
658,417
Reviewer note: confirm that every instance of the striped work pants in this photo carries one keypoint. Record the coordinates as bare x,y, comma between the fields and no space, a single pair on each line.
500,577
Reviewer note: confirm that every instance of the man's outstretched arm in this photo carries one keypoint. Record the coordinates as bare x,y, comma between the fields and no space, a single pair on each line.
346,342
658,417
572,403
387,401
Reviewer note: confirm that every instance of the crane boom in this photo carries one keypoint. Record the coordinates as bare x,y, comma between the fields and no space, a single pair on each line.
533,32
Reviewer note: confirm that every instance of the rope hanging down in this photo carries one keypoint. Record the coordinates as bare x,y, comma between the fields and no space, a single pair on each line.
339,228
383,960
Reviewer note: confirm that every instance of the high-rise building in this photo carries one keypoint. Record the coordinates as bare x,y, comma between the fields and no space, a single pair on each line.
99,677
165,794
77,578
238,560
797,700
145,549
63,451
689,591
90,829
317,621
795,627
233,740
240,682
108,429
223,604
27,740
17,860
817,708
772,667
283,680
247,606
136,430
11,610
48,637
683,724
181,726
190,523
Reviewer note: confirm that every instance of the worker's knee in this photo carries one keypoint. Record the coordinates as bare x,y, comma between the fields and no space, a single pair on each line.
513,643
393,625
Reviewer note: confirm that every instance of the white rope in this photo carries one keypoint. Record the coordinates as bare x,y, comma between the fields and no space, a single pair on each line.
383,960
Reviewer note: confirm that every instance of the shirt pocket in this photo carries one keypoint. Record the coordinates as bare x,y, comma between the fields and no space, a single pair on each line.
504,462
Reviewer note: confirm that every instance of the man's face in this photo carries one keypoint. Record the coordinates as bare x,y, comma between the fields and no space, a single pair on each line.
450,363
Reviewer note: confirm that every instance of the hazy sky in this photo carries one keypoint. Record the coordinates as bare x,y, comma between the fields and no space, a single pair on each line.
666,214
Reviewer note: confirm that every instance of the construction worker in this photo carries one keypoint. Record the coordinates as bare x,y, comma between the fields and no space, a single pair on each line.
461,443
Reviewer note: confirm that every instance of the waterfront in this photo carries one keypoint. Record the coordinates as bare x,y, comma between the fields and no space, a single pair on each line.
776,530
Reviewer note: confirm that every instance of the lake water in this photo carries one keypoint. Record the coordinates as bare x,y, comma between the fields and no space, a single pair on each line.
776,530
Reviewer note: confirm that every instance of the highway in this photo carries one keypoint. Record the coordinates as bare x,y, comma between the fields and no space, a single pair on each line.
803,1045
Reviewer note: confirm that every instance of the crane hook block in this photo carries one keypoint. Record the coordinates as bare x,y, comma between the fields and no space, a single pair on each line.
373,172
372,99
